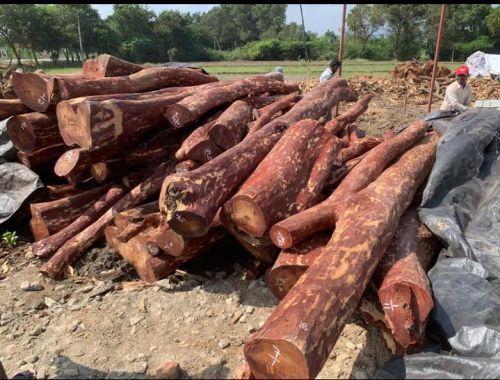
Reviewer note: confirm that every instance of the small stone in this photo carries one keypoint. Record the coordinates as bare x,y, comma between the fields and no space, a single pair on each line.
71,372
359,374
229,301
141,356
140,367
249,309
209,313
37,331
238,342
350,346
50,302
252,329
33,359
25,285
85,289
135,320
98,298
22,362
59,287
73,326
133,330
243,319
168,370
223,343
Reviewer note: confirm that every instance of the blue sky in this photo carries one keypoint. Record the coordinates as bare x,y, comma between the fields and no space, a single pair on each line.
318,18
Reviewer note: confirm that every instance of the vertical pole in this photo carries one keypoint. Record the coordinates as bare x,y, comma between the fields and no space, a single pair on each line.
436,55
79,34
341,47
304,31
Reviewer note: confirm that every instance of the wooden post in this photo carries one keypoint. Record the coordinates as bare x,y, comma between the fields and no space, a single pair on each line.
436,55
341,47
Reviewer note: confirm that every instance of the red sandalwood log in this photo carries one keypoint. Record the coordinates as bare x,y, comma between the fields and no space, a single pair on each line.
33,131
229,129
186,166
337,125
106,65
296,228
297,338
42,156
109,169
11,107
198,146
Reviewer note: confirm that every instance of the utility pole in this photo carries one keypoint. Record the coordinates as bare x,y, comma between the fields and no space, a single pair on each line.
304,31
79,33
341,48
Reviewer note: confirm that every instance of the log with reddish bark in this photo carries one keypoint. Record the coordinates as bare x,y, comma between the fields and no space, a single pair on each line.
33,131
293,262
150,154
337,124
77,245
62,191
358,148
50,217
268,112
270,193
186,166
152,268
338,173
106,65
124,218
11,107
36,90
145,80
187,198
261,101
198,146
42,156
230,127
405,292
299,335
288,232
109,169
193,107
139,225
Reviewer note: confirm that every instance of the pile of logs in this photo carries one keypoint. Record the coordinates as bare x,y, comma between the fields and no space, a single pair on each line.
167,163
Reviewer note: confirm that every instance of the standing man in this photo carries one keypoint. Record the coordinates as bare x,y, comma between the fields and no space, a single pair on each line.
330,70
458,96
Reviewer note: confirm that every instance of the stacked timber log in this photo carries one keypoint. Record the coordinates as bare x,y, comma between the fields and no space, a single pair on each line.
167,163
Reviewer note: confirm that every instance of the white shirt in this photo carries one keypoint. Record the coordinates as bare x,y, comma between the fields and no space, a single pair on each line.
457,98
327,74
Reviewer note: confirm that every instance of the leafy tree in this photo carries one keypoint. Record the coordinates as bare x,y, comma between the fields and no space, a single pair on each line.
493,24
363,21
15,21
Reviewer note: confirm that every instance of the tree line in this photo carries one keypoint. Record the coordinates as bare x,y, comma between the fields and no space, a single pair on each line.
73,32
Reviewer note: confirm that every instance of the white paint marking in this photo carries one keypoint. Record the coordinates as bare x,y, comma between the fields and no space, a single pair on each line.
390,305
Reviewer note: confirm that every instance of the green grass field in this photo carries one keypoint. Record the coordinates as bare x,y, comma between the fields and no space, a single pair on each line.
294,70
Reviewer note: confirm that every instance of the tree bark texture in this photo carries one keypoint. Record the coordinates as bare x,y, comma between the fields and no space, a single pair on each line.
33,131
42,156
229,129
307,323
11,107
106,65
338,124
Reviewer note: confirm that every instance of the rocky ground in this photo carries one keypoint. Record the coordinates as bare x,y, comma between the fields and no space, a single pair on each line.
102,322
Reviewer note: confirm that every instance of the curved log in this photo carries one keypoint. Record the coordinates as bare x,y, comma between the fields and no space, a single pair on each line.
198,146
306,324
193,107
230,127
106,65
33,131
338,124
11,107
296,228
358,148
188,200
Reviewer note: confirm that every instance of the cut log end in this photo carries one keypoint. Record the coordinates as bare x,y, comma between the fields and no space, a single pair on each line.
32,89
81,133
171,243
248,216
188,224
276,359
178,116
281,237
26,139
282,279
67,162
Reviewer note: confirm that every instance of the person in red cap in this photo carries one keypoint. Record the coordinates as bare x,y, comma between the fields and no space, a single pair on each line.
458,96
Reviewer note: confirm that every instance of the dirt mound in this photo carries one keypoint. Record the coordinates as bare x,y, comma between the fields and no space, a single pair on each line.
415,69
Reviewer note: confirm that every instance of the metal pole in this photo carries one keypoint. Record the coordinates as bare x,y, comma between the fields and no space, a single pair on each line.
341,48
436,55
79,33
304,31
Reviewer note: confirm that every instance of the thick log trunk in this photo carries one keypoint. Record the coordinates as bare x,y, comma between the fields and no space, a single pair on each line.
152,268
33,131
337,125
51,217
106,65
298,227
186,166
42,156
334,284
145,80
266,114
11,107
270,193
78,244
405,292
108,170
188,200
358,148
229,129
198,146
193,107
34,90
293,262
